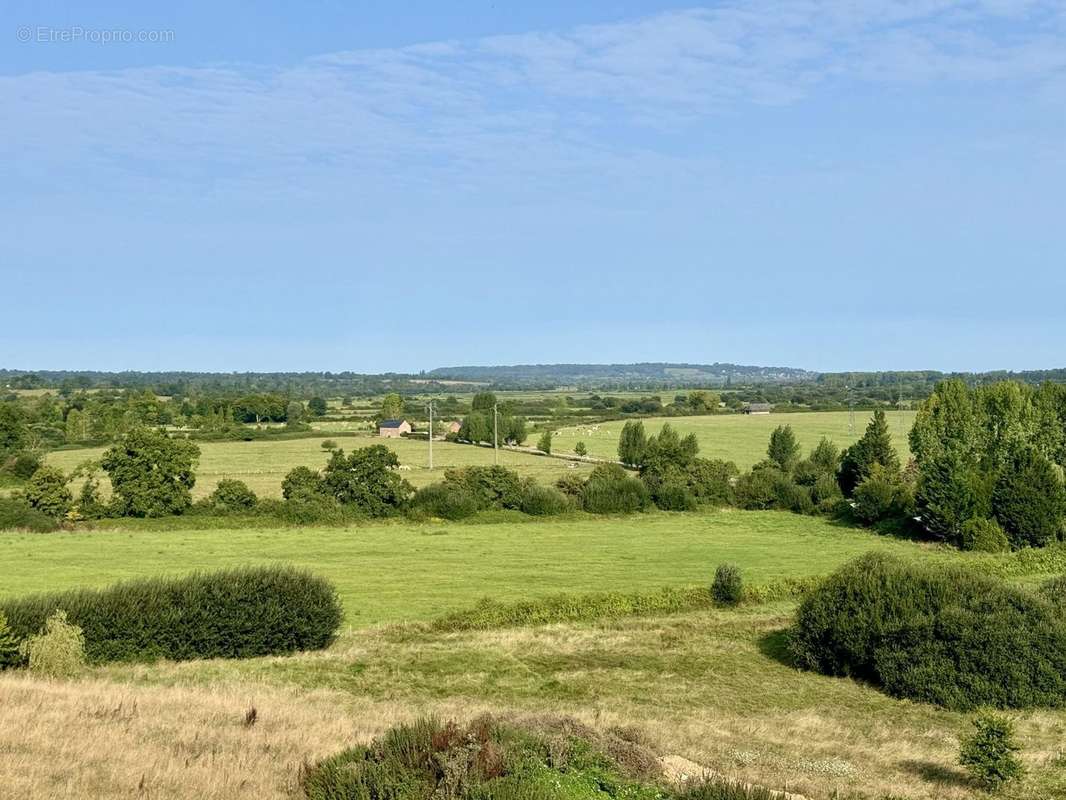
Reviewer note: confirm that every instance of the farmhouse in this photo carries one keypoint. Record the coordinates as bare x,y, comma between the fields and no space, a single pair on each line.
454,426
393,428
758,408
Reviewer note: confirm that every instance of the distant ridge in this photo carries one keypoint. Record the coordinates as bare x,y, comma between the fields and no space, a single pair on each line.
656,371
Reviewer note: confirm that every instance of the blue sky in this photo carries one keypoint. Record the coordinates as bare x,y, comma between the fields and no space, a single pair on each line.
397,186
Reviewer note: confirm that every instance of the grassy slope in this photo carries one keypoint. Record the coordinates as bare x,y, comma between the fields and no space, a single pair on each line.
263,464
394,571
737,437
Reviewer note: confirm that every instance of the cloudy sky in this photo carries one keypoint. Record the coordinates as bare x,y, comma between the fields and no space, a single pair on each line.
401,185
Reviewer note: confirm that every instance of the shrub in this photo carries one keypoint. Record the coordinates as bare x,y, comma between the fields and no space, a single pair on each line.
988,753
58,651
881,495
1029,501
236,613
983,535
572,484
783,450
366,480
941,635
544,444
9,644
950,491
542,501
328,444
728,586
1054,591
711,481
491,487
580,449
151,474
757,490
89,504
311,509
445,500
673,496
23,465
232,497
301,483
17,514
826,493
611,490
792,497
47,491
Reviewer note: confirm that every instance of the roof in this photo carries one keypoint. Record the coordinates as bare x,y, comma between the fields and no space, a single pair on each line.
759,406
391,423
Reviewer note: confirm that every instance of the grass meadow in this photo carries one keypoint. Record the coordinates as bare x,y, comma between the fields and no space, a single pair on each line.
263,464
739,437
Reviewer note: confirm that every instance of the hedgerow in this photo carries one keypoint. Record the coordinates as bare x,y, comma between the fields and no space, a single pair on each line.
235,613
942,635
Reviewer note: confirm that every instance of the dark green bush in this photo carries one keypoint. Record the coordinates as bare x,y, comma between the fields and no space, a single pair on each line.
1054,591
983,535
728,586
9,645
236,613
232,497
611,490
675,497
1029,501
366,481
572,484
710,480
17,514
491,487
758,490
23,465
934,634
151,474
445,500
543,501
310,509
47,491
793,497
882,495
301,482
988,753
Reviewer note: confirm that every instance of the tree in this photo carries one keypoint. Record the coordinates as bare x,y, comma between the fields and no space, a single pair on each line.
47,491
668,450
14,435
294,413
151,474
875,447
366,480
783,450
826,457
317,406
301,483
580,449
1029,501
544,444
476,427
483,401
702,402
951,490
392,406
512,429
947,420
989,752
632,443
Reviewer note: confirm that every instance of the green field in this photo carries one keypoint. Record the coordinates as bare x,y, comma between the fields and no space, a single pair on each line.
738,437
263,464
395,570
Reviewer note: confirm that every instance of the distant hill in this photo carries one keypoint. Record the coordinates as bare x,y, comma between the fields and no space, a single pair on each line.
636,375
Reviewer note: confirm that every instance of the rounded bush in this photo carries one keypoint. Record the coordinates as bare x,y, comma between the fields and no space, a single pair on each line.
47,491
983,535
675,497
445,500
543,501
17,514
728,586
611,490
24,464
233,497
235,613
934,634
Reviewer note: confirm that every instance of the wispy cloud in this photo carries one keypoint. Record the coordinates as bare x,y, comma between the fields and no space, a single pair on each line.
520,103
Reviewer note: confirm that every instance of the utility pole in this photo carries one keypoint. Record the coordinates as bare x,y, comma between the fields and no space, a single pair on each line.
851,412
429,408
495,435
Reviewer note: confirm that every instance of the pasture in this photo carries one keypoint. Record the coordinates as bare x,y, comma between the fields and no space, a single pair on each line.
263,464
393,571
712,685
739,437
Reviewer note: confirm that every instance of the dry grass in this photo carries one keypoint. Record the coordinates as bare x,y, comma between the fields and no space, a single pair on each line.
101,740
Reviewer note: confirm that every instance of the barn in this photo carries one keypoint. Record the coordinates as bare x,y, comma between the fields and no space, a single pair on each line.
758,408
393,428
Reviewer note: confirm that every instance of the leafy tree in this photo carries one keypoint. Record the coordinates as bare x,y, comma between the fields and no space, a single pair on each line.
476,427
632,443
783,450
483,401
14,435
882,495
1029,501
668,450
711,480
580,449
702,402
392,406
946,421
366,480
544,444
294,413
301,483
875,447
512,430
48,491
826,456
151,474
317,406
232,496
